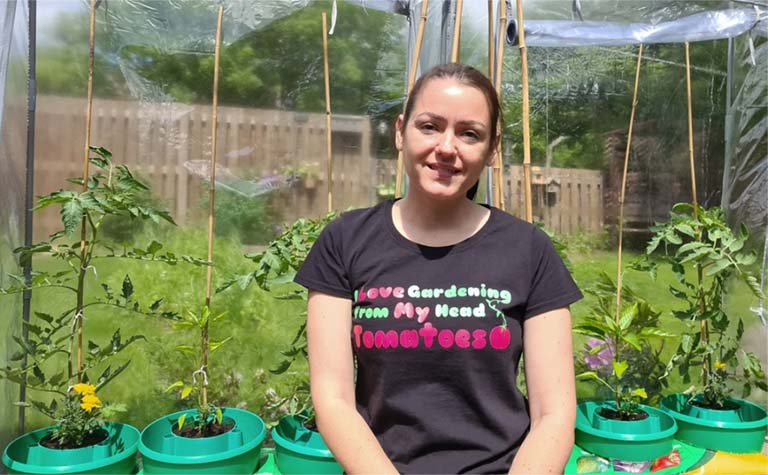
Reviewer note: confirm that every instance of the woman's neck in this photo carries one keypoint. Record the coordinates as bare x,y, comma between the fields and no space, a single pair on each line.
437,223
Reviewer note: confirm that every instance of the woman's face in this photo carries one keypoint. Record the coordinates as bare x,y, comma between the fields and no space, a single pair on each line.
446,142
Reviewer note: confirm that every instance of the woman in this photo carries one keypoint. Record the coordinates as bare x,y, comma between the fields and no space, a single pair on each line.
439,297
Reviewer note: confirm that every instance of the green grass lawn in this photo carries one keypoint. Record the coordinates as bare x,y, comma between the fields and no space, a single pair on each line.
261,326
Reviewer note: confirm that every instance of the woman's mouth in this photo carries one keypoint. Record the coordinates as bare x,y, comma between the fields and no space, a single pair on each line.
443,172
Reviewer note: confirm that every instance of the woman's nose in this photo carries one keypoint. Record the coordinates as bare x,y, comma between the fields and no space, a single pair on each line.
447,144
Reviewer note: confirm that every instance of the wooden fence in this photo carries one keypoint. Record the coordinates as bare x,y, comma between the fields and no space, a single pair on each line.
161,141
566,200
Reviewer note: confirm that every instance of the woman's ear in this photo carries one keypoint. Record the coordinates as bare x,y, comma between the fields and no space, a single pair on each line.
399,133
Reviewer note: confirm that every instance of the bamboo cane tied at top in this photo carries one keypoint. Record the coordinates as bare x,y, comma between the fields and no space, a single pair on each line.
456,48
328,131
526,114
86,173
211,195
497,178
409,87
619,279
704,330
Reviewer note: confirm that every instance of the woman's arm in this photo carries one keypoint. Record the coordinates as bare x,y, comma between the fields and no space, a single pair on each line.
551,384
331,371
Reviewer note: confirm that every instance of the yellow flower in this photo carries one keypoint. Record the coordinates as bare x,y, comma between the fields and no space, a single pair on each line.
720,365
89,402
84,389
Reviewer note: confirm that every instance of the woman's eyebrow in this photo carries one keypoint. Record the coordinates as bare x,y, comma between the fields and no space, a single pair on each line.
437,117
431,115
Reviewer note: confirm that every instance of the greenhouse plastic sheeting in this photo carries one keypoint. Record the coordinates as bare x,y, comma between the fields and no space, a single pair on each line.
13,133
154,76
704,26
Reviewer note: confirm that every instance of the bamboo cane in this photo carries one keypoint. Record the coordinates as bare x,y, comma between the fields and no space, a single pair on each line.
328,132
624,183
498,170
86,174
455,50
704,330
409,87
526,114
490,39
211,195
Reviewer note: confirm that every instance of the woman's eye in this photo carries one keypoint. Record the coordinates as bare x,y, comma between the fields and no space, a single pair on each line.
428,127
471,135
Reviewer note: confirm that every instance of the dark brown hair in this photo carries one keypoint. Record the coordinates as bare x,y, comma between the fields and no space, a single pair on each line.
468,76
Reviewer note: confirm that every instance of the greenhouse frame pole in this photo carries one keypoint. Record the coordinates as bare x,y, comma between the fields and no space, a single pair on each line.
29,191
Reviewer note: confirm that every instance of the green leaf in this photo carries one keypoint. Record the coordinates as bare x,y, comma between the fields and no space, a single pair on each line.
686,229
619,367
633,340
102,152
718,266
219,415
153,247
282,367
186,392
627,316
155,305
45,317
71,215
587,375
93,348
127,287
180,421
176,385
215,345
640,392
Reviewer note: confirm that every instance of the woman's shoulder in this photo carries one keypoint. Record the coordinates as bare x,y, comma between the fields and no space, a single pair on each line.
506,222
352,221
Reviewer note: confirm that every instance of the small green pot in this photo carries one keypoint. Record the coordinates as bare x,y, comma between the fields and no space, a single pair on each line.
116,454
738,431
632,441
299,450
236,451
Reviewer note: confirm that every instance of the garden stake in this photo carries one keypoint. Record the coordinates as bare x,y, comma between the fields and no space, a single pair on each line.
699,277
211,196
86,161
490,38
621,204
624,180
526,111
498,170
328,149
457,32
411,80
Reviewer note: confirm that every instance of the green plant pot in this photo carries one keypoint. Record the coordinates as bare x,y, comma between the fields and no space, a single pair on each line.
117,454
299,450
738,431
633,441
236,451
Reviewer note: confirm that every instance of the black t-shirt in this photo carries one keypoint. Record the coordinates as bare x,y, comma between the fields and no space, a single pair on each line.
437,333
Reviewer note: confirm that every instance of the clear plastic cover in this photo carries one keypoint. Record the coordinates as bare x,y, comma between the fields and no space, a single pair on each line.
153,87
13,151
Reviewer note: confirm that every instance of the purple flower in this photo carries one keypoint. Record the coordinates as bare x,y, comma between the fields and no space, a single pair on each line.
601,359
